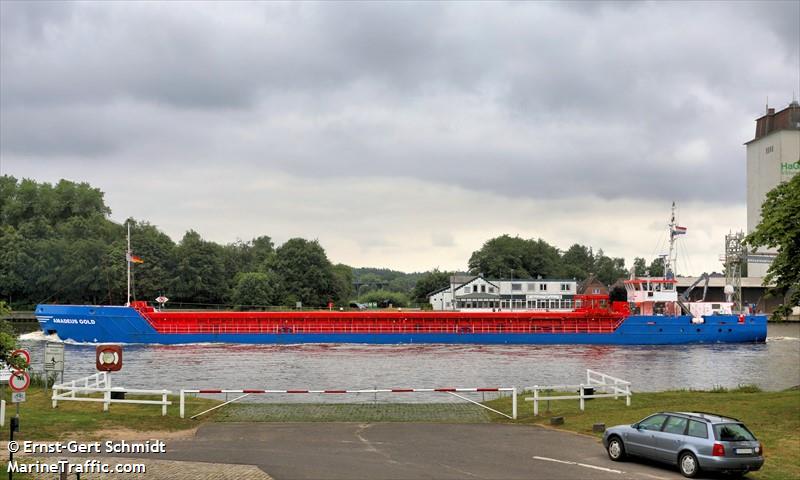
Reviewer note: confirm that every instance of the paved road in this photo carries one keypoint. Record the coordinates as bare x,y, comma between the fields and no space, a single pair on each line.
376,451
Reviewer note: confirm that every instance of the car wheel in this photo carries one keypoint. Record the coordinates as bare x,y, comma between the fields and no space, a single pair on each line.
687,463
616,449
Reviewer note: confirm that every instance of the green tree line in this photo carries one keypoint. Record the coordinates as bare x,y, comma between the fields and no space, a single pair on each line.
58,245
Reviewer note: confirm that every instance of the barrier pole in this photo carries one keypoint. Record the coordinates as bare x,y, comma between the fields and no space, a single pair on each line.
183,406
217,406
514,403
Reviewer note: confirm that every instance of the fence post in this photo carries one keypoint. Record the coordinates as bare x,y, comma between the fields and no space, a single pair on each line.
72,392
164,404
616,391
106,395
55,397
182,409
628,396
514,403
581,395
536,401
2,413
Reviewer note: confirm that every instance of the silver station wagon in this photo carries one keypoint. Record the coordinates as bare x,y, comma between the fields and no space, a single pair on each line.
693,441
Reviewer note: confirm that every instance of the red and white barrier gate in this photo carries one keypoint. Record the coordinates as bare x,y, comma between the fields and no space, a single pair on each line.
451,391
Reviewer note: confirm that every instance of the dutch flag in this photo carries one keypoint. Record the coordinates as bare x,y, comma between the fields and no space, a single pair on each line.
678,231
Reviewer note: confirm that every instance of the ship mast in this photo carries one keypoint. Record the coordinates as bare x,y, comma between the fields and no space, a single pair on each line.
128,261
672,259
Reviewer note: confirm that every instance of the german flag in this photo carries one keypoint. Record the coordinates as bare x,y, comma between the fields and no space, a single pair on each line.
134,259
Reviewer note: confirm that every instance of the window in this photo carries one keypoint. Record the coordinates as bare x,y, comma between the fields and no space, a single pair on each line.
516,287
732,432
543,287
483,288
697,429
596,291
653,423
676,425
491,289
531,287
770,149
565,287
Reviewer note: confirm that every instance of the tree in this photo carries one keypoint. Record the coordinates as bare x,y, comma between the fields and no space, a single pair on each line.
385,298
780,228
639,266
200,271
506,256
305,272
607,269
578,261
429,282
8,339
343,283
656,267
256,289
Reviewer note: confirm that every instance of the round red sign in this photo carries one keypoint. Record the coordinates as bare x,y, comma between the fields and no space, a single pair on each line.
19,381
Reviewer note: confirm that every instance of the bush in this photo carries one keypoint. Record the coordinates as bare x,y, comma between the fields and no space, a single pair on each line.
385,298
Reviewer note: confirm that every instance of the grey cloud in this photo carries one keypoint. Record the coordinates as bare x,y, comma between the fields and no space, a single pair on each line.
524,100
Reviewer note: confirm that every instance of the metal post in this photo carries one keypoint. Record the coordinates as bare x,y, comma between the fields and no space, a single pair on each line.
106,394
514,403
582,400
535,401
183,406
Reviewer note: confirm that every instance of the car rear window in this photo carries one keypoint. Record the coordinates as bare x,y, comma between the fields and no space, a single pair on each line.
675,425
732,432
697,429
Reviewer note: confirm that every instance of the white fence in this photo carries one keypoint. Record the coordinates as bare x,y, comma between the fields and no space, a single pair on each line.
101,383
599,382
452,391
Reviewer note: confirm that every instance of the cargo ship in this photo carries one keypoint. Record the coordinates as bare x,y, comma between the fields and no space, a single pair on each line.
654,314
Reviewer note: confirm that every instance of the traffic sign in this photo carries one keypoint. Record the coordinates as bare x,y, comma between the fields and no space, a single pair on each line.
162,299
24,354
17,397
54,357
108,358
19,381
5,373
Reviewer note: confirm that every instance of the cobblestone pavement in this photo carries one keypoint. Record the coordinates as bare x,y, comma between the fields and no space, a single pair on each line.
161,469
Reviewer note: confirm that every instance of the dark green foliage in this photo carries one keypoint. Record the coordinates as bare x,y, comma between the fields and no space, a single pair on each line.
200,271
385,298
306,273
429,282
780,228
256,289
507,257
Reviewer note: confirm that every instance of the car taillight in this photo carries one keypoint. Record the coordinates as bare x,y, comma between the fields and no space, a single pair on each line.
718,451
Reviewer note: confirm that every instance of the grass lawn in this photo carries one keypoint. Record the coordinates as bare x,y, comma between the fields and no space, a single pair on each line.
81,420
774,418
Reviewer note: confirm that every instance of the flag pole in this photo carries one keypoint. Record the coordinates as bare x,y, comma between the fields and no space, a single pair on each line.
128,261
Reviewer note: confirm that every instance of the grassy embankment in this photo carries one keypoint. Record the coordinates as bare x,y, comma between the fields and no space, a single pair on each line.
87,421
774,417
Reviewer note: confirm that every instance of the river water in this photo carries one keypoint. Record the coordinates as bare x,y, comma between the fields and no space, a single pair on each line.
773,365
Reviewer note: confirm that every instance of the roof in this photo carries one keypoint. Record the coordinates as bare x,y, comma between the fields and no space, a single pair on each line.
786,119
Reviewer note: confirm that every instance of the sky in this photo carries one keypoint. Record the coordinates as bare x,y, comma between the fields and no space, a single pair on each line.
402,135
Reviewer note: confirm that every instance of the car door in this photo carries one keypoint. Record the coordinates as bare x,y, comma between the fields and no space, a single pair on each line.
671,437
641,439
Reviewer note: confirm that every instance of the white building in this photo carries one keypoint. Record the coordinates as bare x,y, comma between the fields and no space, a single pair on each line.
773,157
476,293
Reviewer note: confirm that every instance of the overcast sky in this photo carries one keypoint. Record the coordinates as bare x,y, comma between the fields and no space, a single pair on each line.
402,135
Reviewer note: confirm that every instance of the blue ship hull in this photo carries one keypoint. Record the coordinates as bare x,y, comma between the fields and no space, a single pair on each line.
102,324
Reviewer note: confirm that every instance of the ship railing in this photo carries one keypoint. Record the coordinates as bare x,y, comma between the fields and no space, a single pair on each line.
101,383
597,386
454,391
